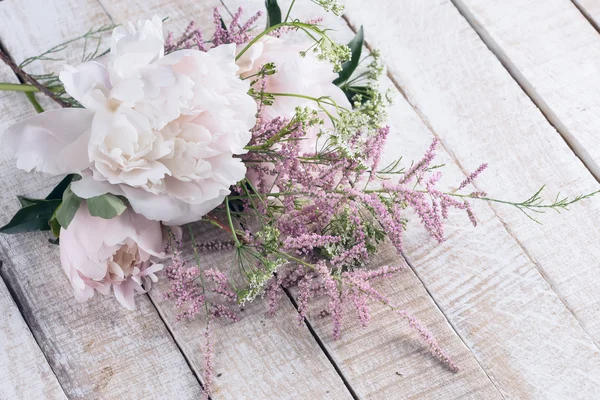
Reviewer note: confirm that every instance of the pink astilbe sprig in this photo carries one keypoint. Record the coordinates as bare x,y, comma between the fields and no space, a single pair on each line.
190,37
208,354
197,291
360,287
236,33
286,29
469,179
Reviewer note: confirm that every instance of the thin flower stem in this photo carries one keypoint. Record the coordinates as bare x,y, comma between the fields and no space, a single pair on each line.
289,11
218,223
529,204
233,233
31,97
197,257
269,30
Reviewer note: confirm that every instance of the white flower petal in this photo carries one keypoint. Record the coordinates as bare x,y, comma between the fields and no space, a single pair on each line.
38,142
88,83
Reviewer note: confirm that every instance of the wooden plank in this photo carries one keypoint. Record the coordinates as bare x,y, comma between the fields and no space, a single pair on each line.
550,48
24,372
96,349
498,290
258,356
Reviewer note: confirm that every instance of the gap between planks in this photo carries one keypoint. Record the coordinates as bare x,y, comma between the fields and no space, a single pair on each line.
586,14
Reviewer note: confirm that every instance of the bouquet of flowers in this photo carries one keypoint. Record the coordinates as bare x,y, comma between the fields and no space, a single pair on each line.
273,136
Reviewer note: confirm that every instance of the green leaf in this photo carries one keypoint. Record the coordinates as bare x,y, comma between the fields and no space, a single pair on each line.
106,206
68,208
348,68
26,201
54,225
273,13
31,218
57,192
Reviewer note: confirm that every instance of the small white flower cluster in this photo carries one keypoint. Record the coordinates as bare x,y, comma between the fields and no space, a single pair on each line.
334,53
257,280
334,6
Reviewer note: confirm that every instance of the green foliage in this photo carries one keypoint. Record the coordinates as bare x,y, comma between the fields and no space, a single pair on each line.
273,13
69,206
106,206
344,227
57,192
37,214
32,217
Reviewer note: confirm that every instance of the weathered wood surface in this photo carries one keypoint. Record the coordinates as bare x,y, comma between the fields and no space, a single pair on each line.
552,50
22,365
520,297
513,302
457,277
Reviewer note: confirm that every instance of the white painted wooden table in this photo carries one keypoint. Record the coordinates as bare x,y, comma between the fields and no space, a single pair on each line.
515,83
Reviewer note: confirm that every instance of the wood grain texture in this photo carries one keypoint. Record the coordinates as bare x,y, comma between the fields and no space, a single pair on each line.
517,292
550,48
24,372
96,349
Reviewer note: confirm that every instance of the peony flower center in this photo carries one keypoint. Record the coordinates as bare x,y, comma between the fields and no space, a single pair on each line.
124,262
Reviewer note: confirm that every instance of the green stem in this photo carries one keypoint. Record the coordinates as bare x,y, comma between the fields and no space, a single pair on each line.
463,196
34,102
18,87
233,233
289,11
24,87
269,30
197,257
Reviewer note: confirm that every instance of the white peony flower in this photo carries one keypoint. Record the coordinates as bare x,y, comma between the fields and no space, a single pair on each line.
97,254
160,130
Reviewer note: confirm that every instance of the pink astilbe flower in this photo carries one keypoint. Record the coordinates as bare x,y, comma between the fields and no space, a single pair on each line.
362,288
236,33
197,291
469,179
190,38
208,360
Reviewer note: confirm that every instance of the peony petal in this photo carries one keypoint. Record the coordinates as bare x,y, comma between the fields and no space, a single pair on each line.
39,141
133,47
124,293
88,83
247,60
